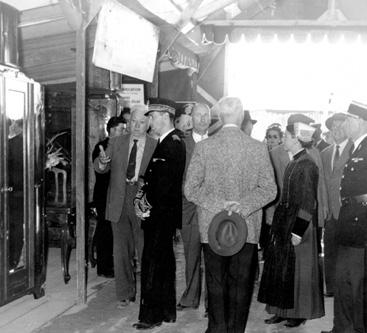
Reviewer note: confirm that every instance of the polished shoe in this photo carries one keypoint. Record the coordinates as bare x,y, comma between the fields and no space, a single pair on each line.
146,326
329,294
294,322
274,320
180,307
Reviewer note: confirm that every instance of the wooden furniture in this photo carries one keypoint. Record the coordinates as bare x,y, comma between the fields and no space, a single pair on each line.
61,233
22,227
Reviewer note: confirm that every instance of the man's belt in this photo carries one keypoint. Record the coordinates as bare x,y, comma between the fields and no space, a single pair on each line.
357,199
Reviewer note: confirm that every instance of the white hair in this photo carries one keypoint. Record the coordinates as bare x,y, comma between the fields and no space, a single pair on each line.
230,108
139,108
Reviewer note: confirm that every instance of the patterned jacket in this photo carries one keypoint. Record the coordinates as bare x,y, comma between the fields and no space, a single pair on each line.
230,166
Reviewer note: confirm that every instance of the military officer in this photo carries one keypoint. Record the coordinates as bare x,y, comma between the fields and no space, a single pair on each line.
161,197
349,304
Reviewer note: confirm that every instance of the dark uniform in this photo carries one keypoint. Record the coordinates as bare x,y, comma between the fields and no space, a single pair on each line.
163,191
349,307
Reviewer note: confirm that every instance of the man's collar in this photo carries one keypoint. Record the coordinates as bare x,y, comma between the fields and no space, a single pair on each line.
162,137
230,125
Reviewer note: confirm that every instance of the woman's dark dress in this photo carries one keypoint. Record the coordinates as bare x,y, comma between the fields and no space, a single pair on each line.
291,283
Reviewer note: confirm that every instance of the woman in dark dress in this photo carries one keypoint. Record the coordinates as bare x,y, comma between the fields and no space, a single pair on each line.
291,283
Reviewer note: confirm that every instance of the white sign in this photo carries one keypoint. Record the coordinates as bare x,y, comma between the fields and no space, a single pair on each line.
125,42
131,94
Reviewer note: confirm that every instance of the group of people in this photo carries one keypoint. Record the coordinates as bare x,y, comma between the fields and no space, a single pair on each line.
183,180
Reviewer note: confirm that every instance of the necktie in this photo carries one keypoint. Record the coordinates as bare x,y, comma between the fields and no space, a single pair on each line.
130,173
336,156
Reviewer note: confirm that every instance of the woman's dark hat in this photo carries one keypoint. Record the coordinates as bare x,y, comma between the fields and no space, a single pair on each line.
299,118
227,234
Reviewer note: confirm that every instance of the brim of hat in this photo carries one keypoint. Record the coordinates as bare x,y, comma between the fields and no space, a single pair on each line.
212,239
335,117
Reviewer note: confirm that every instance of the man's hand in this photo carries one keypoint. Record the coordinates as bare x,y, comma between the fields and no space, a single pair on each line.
232,206
103,158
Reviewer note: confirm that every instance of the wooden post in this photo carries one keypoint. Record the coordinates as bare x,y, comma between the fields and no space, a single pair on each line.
80,165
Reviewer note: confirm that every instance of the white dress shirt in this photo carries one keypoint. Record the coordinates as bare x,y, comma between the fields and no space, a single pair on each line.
198,137
139,154
341,149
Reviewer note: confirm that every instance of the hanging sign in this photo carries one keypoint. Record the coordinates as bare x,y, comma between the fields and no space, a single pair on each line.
125,42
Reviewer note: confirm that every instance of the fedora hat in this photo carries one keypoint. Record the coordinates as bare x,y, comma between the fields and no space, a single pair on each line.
247,117
227,233
335,117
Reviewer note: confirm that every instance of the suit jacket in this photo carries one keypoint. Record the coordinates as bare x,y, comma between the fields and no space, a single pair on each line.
230,166
322,145
118,150
279,159
163,182
333,176
352,223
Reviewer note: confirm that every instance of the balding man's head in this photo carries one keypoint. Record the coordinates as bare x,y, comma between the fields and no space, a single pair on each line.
231,110
138,120
200,118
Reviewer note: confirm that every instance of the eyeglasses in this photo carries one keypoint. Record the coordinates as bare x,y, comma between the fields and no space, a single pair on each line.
272,136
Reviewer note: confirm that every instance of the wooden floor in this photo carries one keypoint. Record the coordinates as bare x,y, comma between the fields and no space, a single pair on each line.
56,312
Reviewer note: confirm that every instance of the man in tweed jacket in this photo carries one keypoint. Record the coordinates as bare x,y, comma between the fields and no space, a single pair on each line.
230,171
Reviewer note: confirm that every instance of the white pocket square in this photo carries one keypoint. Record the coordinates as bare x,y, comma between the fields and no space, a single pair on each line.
159,159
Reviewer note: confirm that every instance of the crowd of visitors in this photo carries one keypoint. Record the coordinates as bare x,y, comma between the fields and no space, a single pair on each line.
301,200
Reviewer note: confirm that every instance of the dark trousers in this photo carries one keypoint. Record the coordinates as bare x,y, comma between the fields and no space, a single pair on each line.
330,252
348,292
127,237
158,272
230,283
192,249
104,244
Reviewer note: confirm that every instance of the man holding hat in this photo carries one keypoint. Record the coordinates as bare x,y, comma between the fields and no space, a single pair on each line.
230,171
350,298
333,158
161,198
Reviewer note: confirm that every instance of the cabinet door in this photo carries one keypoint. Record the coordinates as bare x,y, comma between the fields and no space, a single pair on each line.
16,190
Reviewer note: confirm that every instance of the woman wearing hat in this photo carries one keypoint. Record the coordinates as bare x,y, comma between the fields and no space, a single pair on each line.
291,283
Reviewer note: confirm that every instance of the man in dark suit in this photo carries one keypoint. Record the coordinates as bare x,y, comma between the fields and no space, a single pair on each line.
190,228
333,158
103,234
126,158
162,193
350,314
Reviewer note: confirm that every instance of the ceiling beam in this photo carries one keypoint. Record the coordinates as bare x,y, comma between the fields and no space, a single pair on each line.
287,23
204,11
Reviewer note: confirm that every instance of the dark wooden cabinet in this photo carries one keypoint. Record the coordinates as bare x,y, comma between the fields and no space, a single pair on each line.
22,227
